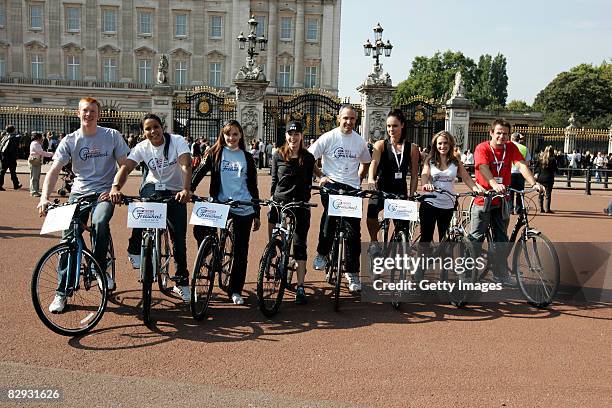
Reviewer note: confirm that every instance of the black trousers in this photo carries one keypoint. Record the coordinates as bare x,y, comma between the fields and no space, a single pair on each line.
517,182
9,165
429,216
242,225
327,230
548,187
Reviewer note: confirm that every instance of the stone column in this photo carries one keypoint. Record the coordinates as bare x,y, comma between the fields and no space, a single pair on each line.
298,41
272,42
376,103
458,114
55,55
236,25
250,95
161,104
327,39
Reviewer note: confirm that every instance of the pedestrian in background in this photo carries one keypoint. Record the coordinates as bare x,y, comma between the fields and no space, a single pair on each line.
517,181
9,149
35,162
546,168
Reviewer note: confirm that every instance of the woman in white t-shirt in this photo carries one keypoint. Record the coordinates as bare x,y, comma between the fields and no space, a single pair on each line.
168,159
439,171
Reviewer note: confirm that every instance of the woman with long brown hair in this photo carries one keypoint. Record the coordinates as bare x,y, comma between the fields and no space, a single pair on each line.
292,168
439,171
546,168
233,175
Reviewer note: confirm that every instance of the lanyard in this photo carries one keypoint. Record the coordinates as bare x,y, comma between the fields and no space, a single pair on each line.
158,162
498,164
401,159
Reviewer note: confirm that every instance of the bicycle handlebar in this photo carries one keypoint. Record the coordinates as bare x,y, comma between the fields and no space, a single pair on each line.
373,193
231,203
90,198
153,199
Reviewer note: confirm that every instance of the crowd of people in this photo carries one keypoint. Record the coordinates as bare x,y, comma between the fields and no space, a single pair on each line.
340,159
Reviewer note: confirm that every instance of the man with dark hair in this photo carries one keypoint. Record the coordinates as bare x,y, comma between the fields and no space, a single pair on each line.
517,181
493,162
9,148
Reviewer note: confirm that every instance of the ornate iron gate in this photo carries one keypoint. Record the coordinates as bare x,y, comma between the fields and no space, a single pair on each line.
423,120
316,109
202,112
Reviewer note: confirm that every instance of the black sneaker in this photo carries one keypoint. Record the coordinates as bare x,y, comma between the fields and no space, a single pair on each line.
300,296
18,186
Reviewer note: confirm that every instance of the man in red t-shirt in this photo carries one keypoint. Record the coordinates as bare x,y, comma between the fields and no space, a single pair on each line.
493,161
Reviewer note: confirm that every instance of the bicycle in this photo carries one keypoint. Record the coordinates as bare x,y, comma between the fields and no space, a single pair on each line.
337,264
535,262
153,255
277,264
72,265
215,255
404,239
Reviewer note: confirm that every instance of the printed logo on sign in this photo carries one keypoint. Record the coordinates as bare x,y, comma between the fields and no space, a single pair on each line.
343,205
156,163
91,153
229,166
392,207
145,214
342,153
208,214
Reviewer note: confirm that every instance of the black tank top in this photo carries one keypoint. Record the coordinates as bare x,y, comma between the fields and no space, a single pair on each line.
387,168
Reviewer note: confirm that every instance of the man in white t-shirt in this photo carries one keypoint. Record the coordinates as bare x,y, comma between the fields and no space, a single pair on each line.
345,160
168,159
95,152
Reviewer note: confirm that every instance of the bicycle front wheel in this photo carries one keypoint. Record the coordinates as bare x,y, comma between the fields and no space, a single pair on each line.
227,256
146,275
86,299
339,266
458,275
536,265
271,279
203,278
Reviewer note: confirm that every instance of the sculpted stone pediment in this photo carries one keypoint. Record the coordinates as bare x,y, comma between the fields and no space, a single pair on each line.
4,44
285,54
109,49
144,51
215,54
72,47
180,52
32,45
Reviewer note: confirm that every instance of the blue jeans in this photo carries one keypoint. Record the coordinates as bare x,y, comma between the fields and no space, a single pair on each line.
480,221
102,213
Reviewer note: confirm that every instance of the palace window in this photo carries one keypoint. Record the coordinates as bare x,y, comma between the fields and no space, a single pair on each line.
285,79
109,21
312,29
216,26
286,28
145,74
180,72
214,74
310,77
36,16
109,69
37,66
2,65
261,26
145,23
73,19
180,25
73,67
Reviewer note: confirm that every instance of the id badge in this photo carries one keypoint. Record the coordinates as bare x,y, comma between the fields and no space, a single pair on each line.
398,176
160,186
499,180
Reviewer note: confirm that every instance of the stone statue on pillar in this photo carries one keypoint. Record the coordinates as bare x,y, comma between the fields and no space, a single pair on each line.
458,88
162,70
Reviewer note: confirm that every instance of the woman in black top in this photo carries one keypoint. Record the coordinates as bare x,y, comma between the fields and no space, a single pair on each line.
546,168
392,160
292,168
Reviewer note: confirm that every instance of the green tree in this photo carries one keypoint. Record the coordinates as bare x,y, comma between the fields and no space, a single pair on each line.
585,90
518,106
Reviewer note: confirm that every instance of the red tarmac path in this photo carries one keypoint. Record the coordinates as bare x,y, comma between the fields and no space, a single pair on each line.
366,355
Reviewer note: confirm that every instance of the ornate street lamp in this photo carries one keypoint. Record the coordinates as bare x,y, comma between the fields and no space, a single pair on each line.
378,48
252,39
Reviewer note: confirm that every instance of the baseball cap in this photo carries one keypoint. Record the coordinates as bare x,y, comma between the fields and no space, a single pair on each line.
294,126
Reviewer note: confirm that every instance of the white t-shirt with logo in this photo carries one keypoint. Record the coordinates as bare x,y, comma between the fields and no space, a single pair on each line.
162,171
443,179
341,155
94,158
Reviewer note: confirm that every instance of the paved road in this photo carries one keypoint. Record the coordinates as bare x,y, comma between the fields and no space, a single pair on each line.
366,355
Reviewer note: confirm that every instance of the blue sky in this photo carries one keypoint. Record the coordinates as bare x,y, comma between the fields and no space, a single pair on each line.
540,38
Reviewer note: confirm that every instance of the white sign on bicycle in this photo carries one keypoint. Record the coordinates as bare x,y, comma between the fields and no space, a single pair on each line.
209,214
345,206
401,210
58,219
147,215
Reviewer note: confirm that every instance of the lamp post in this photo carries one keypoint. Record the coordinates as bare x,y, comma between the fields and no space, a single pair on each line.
252,40
378,48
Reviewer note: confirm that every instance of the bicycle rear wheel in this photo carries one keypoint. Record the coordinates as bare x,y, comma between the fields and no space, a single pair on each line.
203,278
536,265
146,274
166,261
458,275
271,279
86,301
227,255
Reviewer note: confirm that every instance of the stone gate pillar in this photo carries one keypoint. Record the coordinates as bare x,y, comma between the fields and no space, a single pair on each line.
162,95
376,100
250,96
570,135
610,140
458,114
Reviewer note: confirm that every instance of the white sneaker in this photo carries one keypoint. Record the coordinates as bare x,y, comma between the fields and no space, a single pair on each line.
237,299
58,304
110,283
134,260
353,282
183,292
319,262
